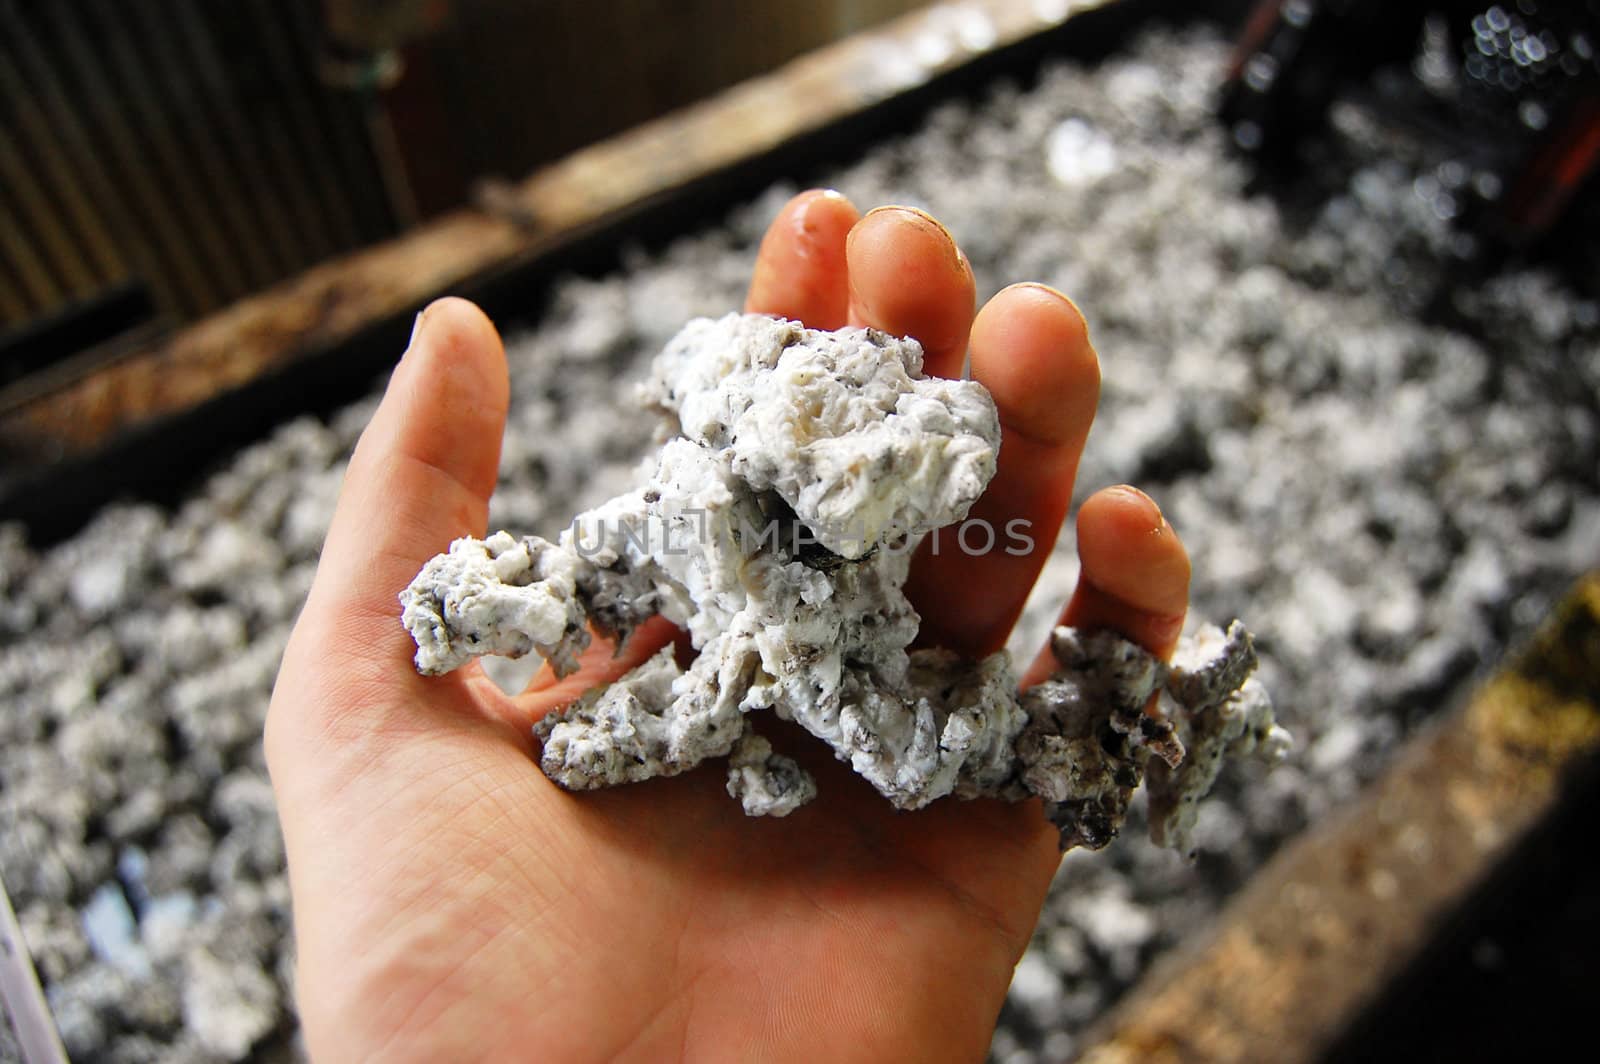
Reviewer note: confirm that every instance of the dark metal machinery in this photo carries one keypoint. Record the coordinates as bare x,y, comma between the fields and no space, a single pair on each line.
1507,93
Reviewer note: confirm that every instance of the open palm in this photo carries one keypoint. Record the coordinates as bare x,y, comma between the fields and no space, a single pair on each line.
451,903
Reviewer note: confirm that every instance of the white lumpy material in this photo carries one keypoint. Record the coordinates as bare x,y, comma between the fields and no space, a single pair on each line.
842,425
767,783
496,596
799,472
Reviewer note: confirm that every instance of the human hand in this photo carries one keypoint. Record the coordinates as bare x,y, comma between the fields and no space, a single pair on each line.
451,903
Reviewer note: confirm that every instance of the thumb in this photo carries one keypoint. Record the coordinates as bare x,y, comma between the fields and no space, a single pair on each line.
421,476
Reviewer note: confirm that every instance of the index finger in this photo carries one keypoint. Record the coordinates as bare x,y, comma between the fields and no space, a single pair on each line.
420,477
800,269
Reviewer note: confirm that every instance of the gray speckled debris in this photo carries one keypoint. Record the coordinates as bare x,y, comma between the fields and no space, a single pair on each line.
767,783
1082,749
799,471
1093,730
495,596
1219,710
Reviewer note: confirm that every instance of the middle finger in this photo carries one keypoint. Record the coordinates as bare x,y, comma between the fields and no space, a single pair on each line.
908,278
1030,348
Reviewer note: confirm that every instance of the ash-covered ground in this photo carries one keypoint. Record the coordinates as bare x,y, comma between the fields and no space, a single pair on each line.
1387,503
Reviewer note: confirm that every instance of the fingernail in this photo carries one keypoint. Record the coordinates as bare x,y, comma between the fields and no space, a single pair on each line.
961,258
1042,287
921,219
913,215
1058,294
416,327
1134,495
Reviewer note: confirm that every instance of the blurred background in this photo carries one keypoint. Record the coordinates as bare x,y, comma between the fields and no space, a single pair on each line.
160,159
1339,259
